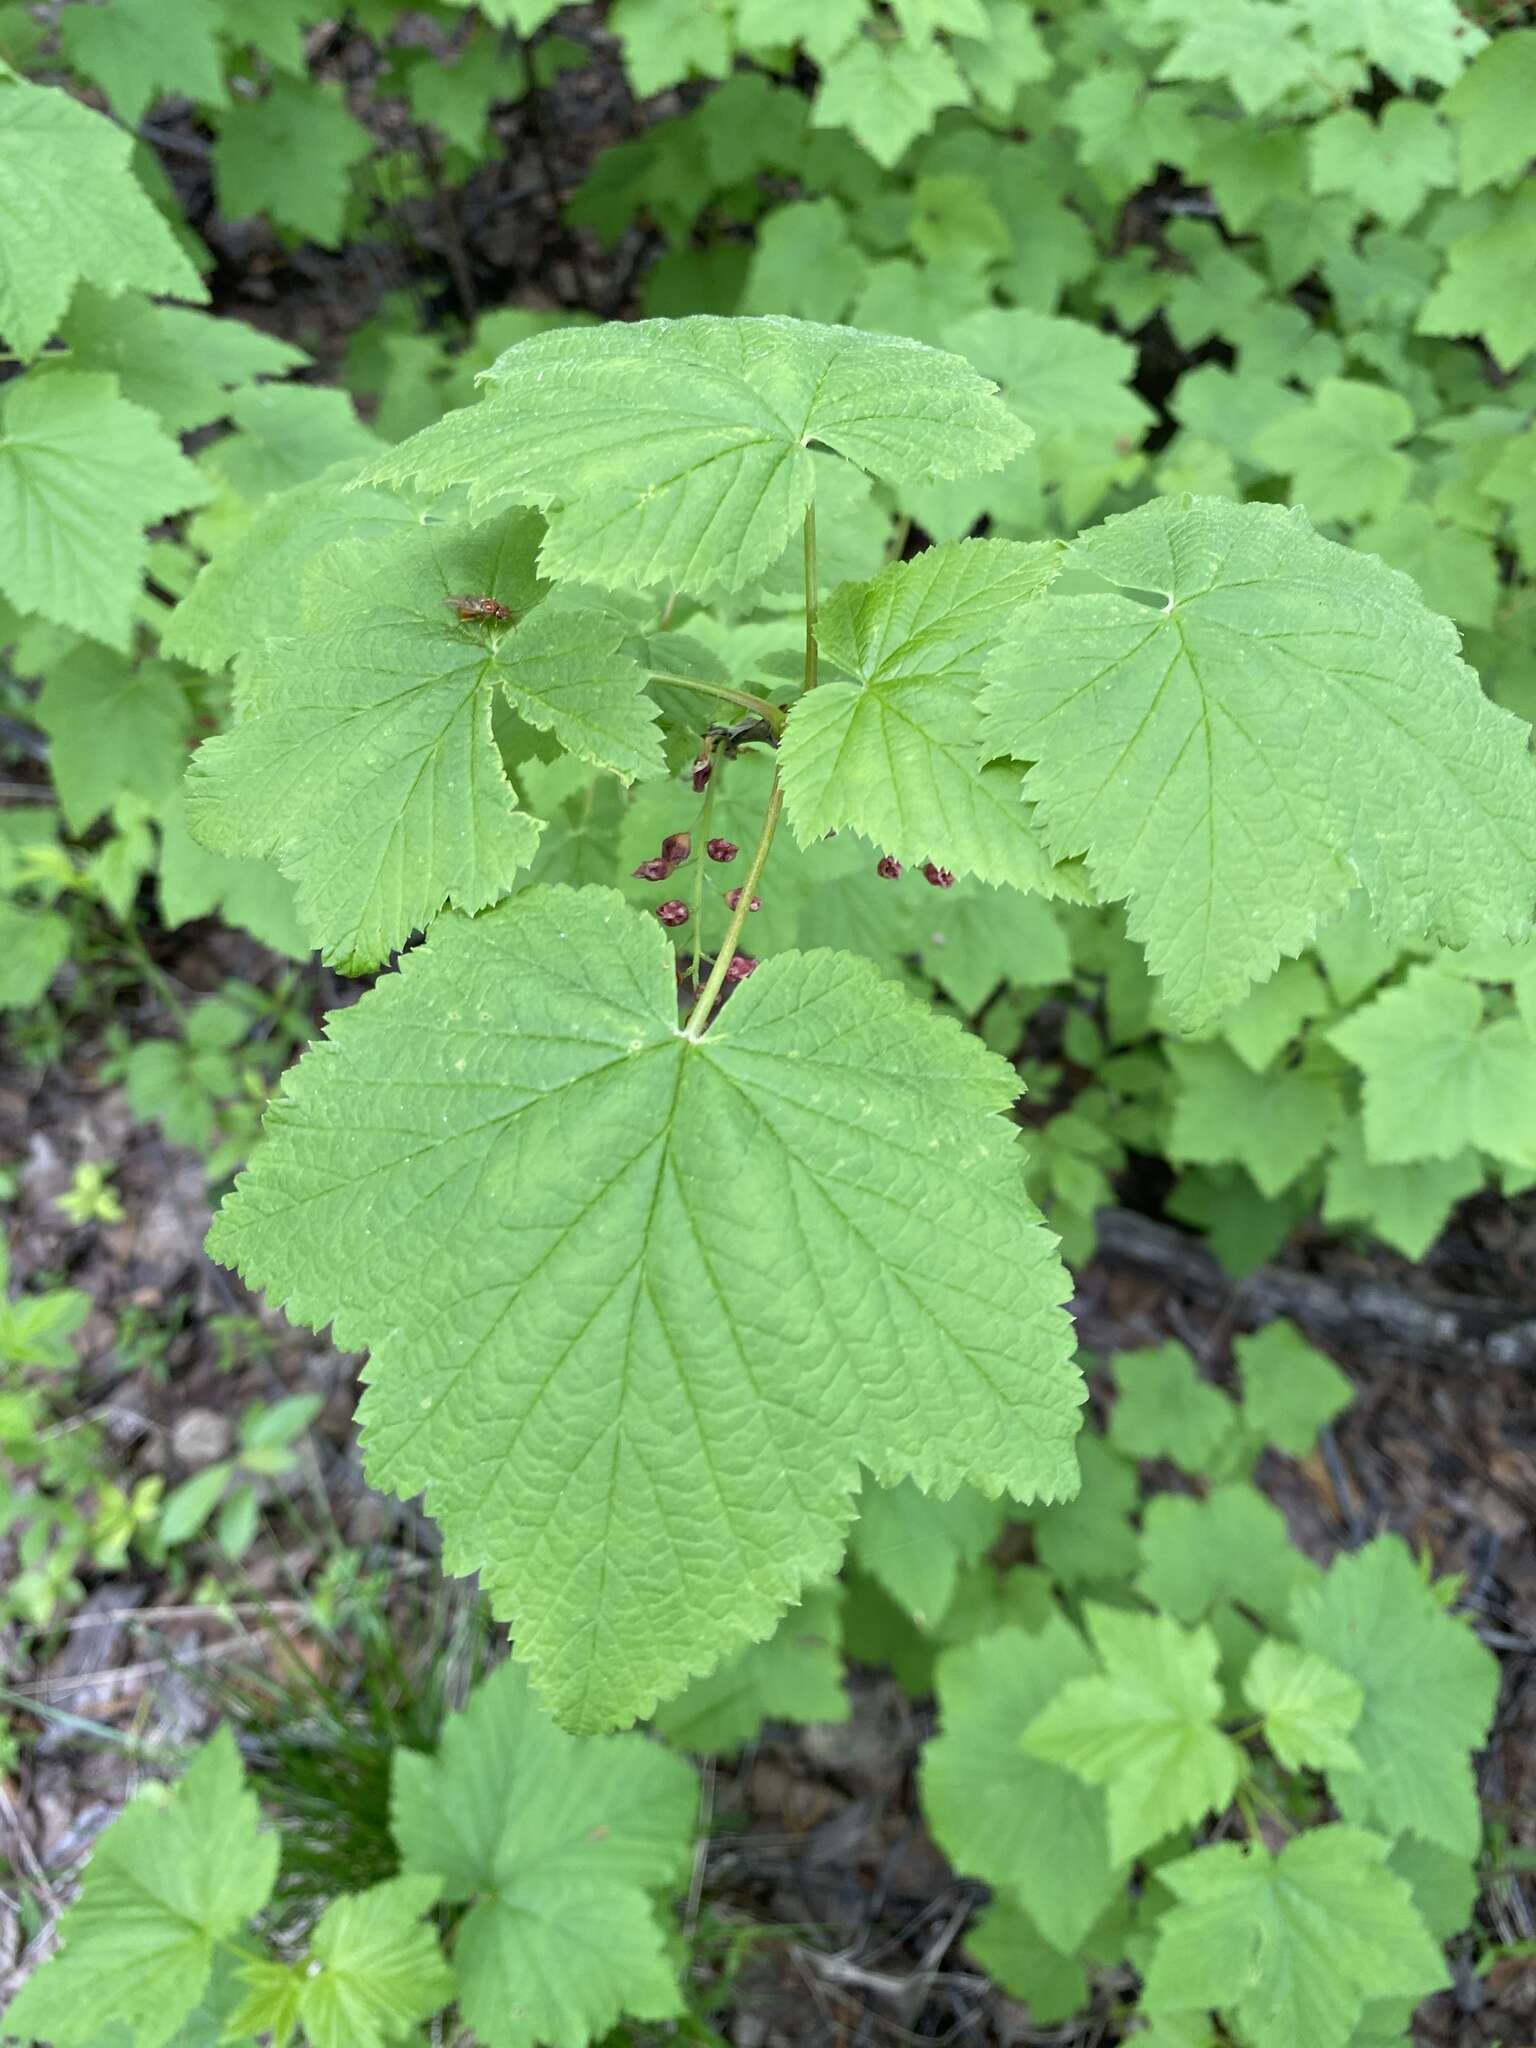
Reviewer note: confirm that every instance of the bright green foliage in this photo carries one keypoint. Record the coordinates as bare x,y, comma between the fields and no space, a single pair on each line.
1089,1540
1308,1707
1231,1546
1030,1828
667,41
82,473
1429,1691
112,727
1273,1013
805,262
1291,1947
796,1675
676,452
1439,1077
887,93
1489,107
1013,1952
1142,1725
683,1306
1387,165
1272,1124
1209,757
289,155
1405,1205
175,1875
251,588
916,1548
70,210
373,1972
36,1329
1340,449
288,434
1290,1390
1484,289
557,1846
34,944
179,364
1165,1409
363,756
890,743
135,50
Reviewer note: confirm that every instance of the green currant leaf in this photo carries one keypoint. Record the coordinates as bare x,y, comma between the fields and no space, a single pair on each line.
1291,1946
677,452
362,758
1489,107
890,743
177,1873
71,210
289,155
1028,1827
623,1284
1308,1707
1143,1726
1429,1691
1439,1077
556,1843
1289,722
82,473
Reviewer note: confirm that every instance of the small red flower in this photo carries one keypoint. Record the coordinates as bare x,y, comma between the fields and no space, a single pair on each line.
673,913
652,871
702,770
888,869
675,848
742,964
733,897
722,849
941,878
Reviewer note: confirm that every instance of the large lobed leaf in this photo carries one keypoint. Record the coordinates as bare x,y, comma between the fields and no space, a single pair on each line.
175,1875
70,209
556,1844
1289,722
363,757
890,743
640,1304
677,452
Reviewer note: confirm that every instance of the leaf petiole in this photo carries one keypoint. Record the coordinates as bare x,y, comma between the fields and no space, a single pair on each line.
771,715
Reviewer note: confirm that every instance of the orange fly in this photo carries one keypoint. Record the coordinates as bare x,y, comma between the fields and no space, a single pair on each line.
479,611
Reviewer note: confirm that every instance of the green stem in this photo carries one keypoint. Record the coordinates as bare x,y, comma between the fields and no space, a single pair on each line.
771,714
699,1016
810,595
700,862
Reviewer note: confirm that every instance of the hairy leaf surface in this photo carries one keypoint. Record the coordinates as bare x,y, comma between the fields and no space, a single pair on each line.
639,1305
556,1843
1289,722
677,452
171,1878
70,209
363,757
890,743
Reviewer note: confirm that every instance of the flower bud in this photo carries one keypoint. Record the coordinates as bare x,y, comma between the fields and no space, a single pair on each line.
722,849
733,898
888,869
673,913
941,878
742,964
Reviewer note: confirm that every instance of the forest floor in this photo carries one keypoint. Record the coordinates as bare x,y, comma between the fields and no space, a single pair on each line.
814,1837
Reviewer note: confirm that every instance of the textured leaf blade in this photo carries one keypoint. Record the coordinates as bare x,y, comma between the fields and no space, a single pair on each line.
677,452
1292,1946
890,743
82,473
1024,1825
1291,721
637,1286
557,1844
168,1881
363,757
1143,1727
70,209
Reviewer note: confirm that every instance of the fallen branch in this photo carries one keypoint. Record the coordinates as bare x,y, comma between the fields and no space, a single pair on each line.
1451,1332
